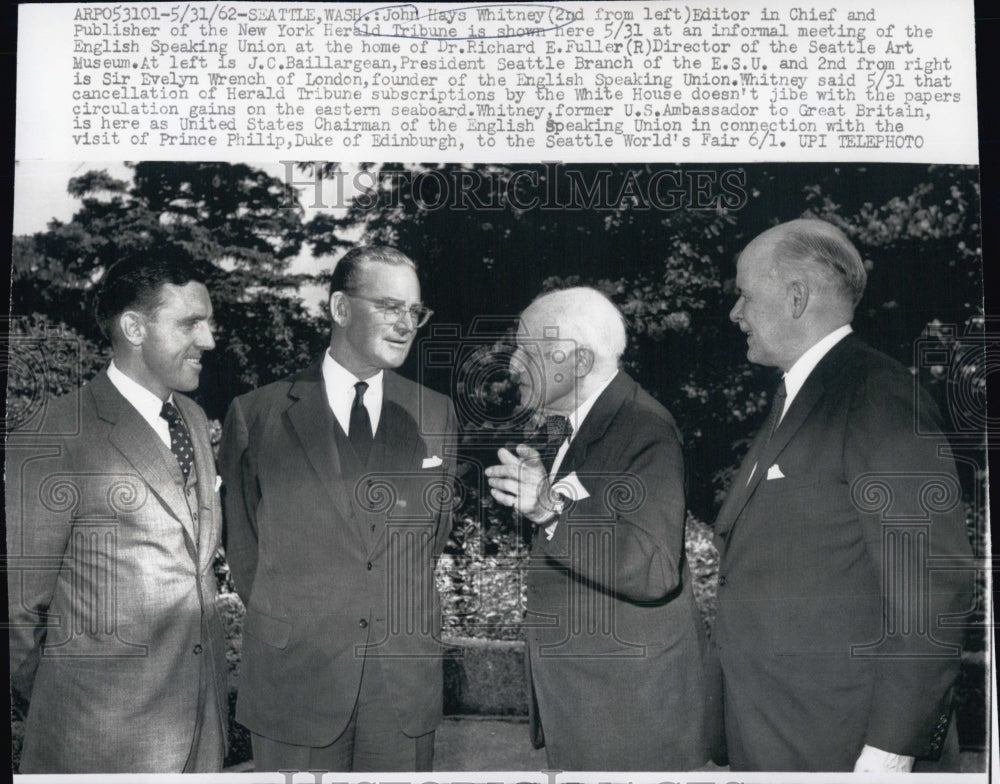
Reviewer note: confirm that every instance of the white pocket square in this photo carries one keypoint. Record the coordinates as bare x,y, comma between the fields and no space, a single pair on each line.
218,482
774,472
571,487
431,462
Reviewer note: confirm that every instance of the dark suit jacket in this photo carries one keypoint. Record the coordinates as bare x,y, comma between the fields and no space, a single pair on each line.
331,572
115,635
614,638
816,643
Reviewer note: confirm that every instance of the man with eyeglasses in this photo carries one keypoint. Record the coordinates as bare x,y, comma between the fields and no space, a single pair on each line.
337,485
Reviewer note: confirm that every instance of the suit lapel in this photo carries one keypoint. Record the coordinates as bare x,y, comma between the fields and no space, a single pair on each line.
134,438
739,491
394,453
805,401
395,450
597,422
312,421
798,412
802,406
204,463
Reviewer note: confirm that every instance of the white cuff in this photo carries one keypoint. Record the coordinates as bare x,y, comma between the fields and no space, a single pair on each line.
872,760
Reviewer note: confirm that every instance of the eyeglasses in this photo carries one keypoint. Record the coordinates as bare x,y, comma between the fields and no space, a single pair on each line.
393,310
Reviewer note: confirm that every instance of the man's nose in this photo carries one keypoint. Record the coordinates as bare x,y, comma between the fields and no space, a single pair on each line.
407,322
517,366
737,311
205,340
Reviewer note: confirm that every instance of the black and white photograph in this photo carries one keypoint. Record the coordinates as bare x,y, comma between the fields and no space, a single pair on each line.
538,466
488,295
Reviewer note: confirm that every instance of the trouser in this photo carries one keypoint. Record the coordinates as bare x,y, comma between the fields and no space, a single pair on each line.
372,740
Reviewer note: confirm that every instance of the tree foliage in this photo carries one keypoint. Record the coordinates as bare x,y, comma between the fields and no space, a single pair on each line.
245,225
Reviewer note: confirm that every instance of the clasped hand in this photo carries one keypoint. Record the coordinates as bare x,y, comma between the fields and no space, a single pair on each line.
522,482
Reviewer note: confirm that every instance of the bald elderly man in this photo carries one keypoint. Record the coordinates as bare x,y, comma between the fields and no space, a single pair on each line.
614,640
829,629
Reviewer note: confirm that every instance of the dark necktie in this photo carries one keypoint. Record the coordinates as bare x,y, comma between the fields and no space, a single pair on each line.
360,426
773,418
777,406
180,439
557,430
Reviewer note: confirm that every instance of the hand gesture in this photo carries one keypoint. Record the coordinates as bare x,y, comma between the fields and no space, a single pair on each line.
521,481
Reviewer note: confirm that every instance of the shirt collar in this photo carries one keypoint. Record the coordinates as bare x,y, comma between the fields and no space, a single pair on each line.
339,383
142,400
577,417
804,365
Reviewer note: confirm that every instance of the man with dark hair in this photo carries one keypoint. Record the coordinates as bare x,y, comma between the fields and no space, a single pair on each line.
337,484
113,521
832,630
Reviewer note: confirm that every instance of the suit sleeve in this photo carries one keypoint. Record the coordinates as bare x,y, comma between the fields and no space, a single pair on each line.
37,536
628,536
241,494
912,690
449,459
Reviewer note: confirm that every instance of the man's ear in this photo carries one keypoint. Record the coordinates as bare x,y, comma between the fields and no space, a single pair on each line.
584,361
340,308
132,326
798,292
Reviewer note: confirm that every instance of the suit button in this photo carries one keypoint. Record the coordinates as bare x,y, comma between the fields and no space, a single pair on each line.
197,650
363,623
722,580
369,565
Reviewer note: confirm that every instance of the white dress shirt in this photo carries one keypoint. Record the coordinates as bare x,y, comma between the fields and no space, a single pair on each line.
804,365
142,400
797,374
340,393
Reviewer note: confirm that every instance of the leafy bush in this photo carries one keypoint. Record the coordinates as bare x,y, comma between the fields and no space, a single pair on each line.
44,359
703,560
232,611
480,576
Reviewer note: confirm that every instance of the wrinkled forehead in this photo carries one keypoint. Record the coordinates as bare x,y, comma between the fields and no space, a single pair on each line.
538,324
